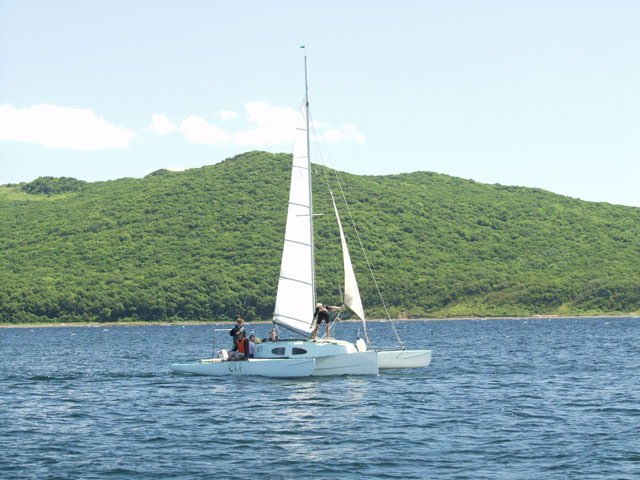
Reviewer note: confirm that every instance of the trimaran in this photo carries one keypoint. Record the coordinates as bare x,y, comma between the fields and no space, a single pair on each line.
296,299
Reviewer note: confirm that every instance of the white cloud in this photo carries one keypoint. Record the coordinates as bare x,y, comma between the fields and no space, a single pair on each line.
175,168
274,125
353,133
333,136
198,130
226,114
61,127
269,126
316,124
161,124
348,132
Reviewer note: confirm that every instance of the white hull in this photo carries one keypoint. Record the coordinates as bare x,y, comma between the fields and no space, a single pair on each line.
299,367
363,363
391,359
333,357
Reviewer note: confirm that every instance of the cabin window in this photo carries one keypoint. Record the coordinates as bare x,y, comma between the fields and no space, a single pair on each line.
278,351
298,351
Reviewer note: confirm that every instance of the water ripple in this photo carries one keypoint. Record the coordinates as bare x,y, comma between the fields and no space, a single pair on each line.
502,400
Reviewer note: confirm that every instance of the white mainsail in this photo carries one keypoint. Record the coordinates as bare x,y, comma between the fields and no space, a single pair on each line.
295,300
296,295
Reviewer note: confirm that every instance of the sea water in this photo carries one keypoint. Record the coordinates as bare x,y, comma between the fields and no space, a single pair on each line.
502,399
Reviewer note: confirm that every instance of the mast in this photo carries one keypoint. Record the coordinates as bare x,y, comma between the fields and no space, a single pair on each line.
296,295
306,114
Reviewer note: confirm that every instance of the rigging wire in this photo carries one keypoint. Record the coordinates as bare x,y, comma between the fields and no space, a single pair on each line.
375,282
335,267
334,251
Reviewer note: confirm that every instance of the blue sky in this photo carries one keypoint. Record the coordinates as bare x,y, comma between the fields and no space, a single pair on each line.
535,93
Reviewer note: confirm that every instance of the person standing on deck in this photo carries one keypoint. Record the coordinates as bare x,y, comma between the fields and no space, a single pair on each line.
235,331
322,315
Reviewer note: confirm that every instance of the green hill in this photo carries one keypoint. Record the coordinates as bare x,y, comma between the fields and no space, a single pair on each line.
205,244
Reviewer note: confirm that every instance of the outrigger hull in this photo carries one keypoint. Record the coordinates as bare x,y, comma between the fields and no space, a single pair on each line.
392,359
333,357
298,367
362,363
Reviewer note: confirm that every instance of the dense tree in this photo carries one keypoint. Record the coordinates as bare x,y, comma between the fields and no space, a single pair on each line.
205,244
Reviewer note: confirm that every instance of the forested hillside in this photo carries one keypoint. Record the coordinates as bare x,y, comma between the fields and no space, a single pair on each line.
205,244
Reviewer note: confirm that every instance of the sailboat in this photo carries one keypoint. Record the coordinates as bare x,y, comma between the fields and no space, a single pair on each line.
296,298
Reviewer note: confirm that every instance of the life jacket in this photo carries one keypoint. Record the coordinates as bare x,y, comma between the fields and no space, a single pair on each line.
243,346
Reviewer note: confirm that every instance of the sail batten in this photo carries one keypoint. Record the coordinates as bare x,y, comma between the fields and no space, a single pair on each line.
297,204
295,280
299,243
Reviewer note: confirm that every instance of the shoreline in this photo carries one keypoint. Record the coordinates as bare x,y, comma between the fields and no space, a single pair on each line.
267,322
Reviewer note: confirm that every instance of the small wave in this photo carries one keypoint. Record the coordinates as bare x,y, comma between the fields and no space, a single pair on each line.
121,375
633,411
118,472
49,378
78,415
522,414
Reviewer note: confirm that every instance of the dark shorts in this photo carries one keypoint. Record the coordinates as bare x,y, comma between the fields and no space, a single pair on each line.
323,317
